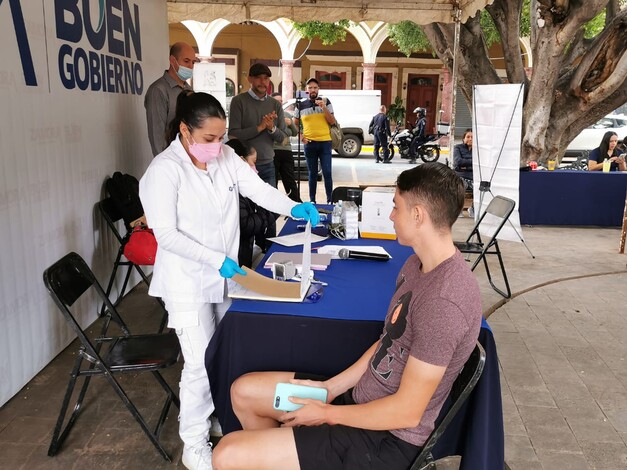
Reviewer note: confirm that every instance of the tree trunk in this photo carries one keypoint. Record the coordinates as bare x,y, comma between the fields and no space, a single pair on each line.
575,81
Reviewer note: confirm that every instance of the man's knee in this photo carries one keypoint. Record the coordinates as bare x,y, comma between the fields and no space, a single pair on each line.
226,453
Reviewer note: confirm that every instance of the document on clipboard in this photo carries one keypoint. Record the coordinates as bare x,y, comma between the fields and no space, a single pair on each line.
255,286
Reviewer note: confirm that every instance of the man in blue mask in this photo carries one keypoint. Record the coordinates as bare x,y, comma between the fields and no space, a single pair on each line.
160,100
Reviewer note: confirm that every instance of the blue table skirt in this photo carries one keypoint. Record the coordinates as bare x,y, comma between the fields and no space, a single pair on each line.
568,197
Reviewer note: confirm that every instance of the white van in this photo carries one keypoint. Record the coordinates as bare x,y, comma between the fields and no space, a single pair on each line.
353,109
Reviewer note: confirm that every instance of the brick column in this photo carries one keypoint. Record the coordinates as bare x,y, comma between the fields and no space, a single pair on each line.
368,83
288,79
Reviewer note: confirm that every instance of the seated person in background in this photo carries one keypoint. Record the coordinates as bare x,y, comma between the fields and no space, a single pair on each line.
381,409
253,220
462,156
608,150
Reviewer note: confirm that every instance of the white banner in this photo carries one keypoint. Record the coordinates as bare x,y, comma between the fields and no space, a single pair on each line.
497,127
73,75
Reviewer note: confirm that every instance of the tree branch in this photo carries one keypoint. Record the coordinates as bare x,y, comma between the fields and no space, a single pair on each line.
506,14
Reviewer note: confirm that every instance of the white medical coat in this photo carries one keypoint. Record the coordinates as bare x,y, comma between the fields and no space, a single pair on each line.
195,218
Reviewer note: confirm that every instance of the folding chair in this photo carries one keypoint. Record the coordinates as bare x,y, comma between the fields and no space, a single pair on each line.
463,385
112,216
67,280
500,208
346,193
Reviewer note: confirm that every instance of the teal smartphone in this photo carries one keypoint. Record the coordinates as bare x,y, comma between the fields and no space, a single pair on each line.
285,390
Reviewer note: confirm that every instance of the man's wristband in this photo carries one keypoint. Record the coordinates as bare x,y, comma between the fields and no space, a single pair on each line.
273,130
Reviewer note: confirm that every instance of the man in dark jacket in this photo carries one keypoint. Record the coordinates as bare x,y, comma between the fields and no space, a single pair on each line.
380,128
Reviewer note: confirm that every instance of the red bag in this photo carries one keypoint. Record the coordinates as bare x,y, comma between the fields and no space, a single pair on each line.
141,247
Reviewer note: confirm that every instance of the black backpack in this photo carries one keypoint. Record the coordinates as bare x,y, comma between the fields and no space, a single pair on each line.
124,192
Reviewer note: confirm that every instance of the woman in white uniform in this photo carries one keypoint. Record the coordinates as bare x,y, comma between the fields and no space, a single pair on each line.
190,193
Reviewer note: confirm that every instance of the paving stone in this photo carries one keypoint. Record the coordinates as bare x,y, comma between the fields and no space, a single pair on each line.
566,460
605,455
519,449
595,429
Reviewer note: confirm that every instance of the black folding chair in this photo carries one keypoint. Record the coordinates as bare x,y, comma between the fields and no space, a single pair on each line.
346,193
67,280
463,385
499,210
112,216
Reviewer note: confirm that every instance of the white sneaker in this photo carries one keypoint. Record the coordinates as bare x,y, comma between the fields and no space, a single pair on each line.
198,457
216,429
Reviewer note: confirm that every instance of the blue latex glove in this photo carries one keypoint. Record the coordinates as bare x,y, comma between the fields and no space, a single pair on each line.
230,268
307,211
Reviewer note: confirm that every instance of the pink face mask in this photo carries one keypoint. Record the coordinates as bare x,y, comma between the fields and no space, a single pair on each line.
205,153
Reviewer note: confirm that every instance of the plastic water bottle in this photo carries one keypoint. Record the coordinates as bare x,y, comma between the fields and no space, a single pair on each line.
336,215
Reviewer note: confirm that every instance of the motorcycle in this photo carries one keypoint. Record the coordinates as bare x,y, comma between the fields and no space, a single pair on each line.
412,147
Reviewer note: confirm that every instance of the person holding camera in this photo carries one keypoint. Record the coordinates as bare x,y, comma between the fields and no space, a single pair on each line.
316,114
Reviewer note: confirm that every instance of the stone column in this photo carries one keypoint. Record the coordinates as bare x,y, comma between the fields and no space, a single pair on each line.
368,83
447,96
288,79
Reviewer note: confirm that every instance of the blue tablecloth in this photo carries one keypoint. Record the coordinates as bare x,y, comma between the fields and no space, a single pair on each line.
326,337
568,197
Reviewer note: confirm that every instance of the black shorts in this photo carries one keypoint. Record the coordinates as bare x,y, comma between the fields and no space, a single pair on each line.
341,447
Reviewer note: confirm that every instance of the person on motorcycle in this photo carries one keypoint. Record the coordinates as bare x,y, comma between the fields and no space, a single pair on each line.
419,130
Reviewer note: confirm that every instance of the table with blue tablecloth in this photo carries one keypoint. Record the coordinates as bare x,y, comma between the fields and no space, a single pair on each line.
326,337
570,197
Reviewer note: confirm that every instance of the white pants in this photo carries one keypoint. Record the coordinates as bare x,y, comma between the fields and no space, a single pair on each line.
195,324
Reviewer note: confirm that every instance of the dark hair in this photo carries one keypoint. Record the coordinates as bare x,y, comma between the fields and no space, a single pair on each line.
192,109
242,149
605,144
312,80
276,93
466,132
438,188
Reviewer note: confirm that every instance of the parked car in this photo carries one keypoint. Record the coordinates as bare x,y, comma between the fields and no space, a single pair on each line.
590,137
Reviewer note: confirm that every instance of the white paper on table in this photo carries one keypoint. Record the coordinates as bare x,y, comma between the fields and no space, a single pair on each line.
334,250
297,238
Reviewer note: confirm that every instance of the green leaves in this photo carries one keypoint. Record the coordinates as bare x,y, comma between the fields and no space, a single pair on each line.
328,33
408,37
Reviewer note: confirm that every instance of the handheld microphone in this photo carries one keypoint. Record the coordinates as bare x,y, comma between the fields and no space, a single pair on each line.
345,253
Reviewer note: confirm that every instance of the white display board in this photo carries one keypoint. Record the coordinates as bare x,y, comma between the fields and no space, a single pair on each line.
211,78
73,76
497,127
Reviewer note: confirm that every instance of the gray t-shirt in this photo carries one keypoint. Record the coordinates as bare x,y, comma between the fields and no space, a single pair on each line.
434,317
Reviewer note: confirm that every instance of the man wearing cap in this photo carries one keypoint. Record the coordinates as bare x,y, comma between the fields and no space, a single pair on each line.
317,115
160,100
257,119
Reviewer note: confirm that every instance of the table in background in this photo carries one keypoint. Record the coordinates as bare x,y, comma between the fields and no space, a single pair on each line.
569,197
326,337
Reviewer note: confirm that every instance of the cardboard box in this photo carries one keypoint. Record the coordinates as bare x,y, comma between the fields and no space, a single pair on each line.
376,205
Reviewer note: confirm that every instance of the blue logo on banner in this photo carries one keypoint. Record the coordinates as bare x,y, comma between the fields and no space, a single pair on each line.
106,65
22,42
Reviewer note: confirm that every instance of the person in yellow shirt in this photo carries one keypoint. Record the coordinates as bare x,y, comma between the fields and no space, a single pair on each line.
316,114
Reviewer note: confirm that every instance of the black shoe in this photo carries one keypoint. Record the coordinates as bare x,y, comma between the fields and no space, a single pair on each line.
378,160
387,161
411,162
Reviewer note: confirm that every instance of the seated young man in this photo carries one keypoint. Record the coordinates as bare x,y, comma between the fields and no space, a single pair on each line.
379,411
